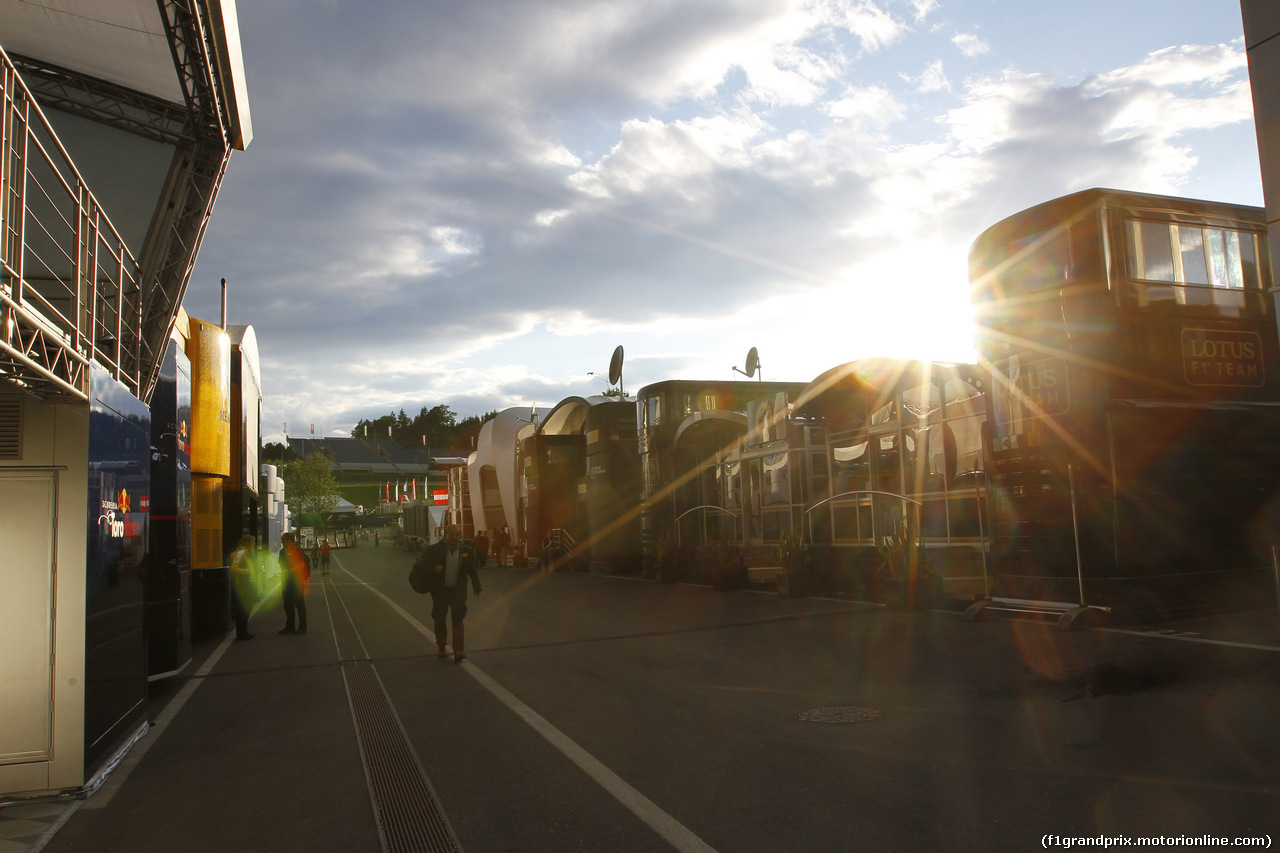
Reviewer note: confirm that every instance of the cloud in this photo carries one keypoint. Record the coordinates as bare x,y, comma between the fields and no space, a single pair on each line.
1141,99
970,45
924,8
1033,139
450,203
932,79
873,106
672,159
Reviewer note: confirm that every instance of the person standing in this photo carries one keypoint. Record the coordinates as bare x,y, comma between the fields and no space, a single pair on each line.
451,561
296,570
482,548
325,551
242,588
502,542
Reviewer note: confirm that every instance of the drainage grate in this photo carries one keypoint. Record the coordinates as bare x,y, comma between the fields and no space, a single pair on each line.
841,714
410,818
409,815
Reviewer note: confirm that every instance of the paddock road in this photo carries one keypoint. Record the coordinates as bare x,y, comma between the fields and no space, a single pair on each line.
599,713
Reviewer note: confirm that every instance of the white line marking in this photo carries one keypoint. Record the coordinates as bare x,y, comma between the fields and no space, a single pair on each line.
1165,634
675,833
1189,639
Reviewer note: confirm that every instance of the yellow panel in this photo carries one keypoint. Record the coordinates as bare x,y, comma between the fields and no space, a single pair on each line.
206,522
209,349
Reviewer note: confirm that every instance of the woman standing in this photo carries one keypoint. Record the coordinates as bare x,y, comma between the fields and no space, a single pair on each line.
243,595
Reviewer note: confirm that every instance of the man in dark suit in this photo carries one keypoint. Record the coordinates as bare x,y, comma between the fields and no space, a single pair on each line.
450,562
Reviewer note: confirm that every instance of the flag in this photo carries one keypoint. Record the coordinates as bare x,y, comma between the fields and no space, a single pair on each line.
415,490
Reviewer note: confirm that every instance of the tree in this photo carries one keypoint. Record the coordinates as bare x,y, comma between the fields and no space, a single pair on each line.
275,453
466,431
375,430
437,424
309,485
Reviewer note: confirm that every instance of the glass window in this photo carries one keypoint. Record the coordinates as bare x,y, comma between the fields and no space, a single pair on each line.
1210,271
777,482
1212,257
1221,258
728,475
966,433
938,459
921,403
1151,253
887,465
654,410
886,414
818,476
852,467
1191,244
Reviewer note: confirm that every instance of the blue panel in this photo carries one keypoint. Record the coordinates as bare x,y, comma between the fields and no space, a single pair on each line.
116,566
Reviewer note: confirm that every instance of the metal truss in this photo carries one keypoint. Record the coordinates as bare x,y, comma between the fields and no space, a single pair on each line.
104,102
192,187
70,291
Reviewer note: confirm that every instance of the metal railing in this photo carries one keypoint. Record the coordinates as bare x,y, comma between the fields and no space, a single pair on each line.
559,538
705,537
69,286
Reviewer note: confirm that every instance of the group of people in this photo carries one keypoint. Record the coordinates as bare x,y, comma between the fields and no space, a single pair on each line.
448,565
320,553
296,570
500,545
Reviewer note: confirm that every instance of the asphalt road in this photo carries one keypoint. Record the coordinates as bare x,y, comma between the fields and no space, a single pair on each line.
608,714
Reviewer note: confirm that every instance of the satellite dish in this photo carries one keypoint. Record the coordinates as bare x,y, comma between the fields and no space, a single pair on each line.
615,366
753,362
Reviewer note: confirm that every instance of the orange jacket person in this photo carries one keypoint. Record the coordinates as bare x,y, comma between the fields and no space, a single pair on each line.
297,580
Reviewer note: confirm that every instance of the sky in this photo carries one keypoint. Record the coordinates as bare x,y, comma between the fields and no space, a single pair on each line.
475,203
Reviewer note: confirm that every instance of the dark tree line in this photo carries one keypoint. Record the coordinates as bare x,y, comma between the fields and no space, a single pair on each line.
439,425
442,428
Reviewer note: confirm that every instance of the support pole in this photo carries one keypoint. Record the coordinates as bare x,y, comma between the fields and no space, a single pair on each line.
1075,531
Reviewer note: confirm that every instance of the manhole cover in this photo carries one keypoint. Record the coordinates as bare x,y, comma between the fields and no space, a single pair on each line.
841,714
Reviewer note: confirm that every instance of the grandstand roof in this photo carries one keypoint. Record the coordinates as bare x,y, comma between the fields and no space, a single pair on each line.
408,458
377,457
124,42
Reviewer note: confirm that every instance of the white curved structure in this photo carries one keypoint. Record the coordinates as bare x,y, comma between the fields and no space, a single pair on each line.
492,468
569,415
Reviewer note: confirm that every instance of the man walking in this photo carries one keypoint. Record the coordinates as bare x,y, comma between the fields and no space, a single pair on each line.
450,562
